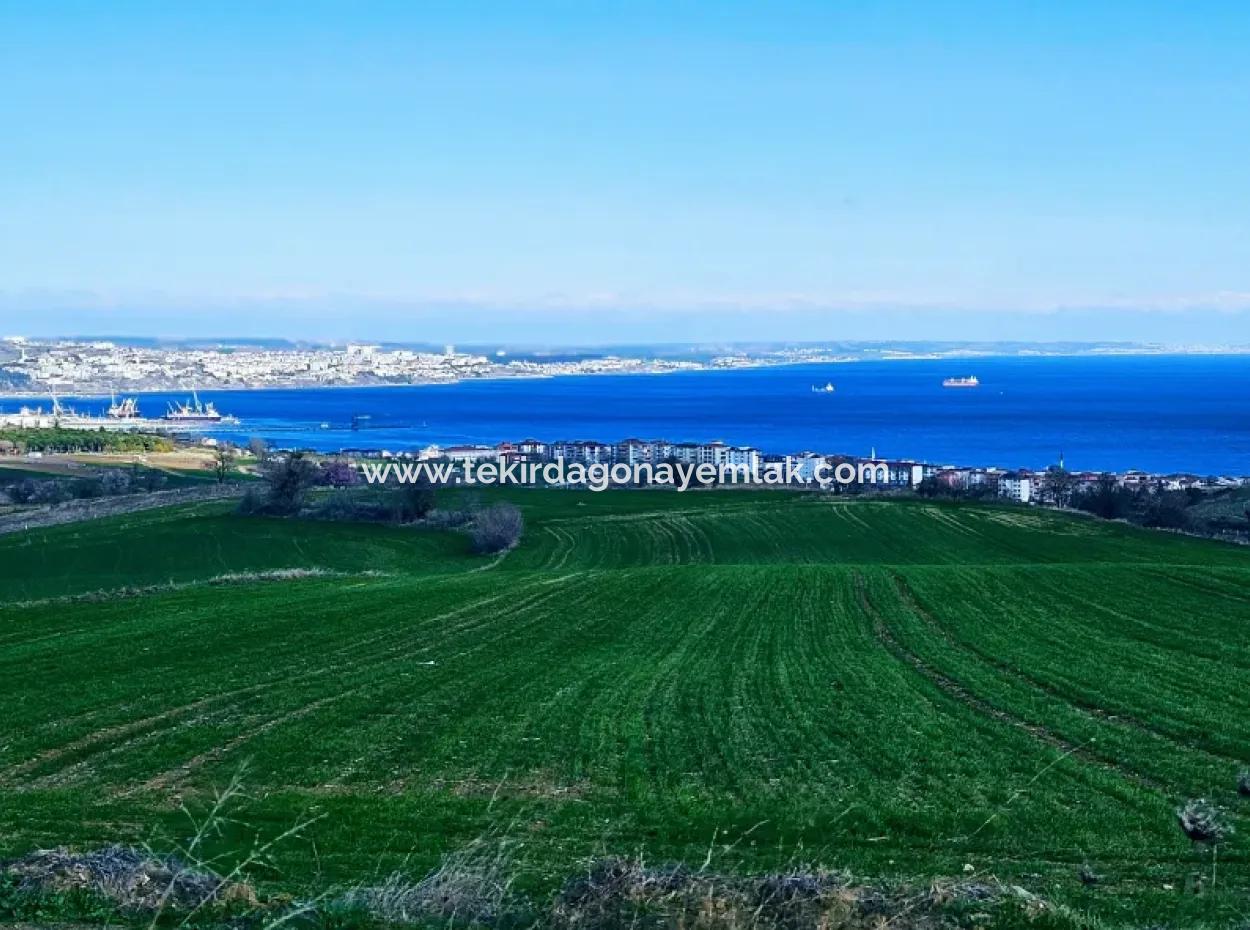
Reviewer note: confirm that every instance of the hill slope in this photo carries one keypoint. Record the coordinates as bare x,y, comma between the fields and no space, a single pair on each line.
896,688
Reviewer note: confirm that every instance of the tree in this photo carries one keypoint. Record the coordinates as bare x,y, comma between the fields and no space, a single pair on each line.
1106,499
1057,486
223,462
497,528
339,473
931,487
1167,510
258,448
288,480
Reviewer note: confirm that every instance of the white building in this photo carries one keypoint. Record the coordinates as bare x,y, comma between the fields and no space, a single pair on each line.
470,453
808,464
1016,486
743,457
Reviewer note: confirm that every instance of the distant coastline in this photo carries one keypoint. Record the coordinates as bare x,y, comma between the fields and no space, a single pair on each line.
598,365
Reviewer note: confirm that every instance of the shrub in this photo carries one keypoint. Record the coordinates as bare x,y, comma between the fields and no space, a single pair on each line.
148,479
133,880
624,894
471,886
449,519
336,507
497,528
87,488
24,492
252,502
1202,822
115,481
347,506
415,500
51,492
1243,783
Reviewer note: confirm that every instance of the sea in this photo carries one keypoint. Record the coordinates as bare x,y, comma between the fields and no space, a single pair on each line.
1159,413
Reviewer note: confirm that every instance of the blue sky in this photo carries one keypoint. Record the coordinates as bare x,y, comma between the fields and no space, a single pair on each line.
597,171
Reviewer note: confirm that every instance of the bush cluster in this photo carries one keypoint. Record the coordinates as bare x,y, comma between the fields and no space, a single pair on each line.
111,482
290,479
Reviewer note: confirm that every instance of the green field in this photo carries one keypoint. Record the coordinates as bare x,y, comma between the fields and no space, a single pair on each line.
896,688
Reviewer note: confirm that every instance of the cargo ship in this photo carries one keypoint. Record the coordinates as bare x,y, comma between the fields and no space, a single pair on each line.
119,415
969,382
195,413
125,409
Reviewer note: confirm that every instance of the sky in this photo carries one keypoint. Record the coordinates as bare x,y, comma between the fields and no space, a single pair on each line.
590,172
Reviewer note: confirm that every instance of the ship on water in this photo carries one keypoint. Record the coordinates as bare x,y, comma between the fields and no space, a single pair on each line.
969,382
119,415
126,409
827,389
194,412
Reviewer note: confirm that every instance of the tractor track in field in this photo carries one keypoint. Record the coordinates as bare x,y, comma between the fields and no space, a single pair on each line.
80,772
1201,586
136,727
173,776
1210,652
561,549
960,693
120,730
1087,709
359,657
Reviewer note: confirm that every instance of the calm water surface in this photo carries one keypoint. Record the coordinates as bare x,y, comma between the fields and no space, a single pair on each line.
1160,413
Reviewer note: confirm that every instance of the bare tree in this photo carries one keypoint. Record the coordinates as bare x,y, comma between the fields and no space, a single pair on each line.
1057,486
223,462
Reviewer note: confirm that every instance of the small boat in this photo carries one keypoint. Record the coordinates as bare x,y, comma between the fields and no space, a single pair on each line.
969,382
827,389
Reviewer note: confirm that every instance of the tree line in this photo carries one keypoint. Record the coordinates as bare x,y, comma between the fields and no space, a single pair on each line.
58,439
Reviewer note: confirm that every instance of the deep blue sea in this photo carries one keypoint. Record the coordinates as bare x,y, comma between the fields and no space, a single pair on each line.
1159,413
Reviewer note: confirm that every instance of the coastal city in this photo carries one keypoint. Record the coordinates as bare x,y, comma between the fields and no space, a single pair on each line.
100,366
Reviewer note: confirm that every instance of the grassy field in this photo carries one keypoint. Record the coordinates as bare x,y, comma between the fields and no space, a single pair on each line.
901,689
